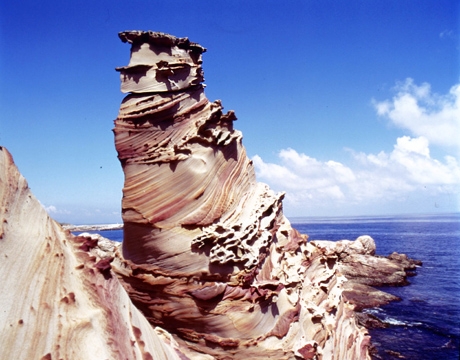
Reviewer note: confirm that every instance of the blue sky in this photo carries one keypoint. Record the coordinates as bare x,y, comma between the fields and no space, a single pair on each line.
351,107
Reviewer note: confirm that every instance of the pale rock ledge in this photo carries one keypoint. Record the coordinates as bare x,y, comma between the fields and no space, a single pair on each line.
59,299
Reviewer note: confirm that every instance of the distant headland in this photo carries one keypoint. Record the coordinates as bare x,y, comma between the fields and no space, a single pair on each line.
100,227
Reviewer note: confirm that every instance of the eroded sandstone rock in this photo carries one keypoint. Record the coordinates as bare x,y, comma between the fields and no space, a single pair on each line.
58,299
207,251
357,261
363,270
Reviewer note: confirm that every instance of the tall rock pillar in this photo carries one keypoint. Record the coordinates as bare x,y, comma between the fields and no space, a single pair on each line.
208,253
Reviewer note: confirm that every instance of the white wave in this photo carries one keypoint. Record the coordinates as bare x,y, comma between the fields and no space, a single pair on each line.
396,322
373,311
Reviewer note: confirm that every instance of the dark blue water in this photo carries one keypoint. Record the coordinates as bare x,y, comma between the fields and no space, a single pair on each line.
115,235
425,325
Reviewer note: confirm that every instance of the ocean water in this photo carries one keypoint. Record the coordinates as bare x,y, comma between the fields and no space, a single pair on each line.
425,325
115,235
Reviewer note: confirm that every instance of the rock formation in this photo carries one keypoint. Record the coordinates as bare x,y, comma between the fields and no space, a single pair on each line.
364,270
207,252
58,301
209,268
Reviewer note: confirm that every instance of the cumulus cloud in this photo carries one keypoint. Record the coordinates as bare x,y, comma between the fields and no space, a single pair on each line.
51,209
423,113
408,176
406,171
304,177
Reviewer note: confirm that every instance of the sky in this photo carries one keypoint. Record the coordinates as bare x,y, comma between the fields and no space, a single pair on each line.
350,107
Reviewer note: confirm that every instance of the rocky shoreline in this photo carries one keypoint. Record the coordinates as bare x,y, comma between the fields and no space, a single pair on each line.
355,259
365,271
99,227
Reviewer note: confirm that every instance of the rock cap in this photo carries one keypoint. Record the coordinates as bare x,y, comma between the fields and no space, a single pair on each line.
159,38
160,62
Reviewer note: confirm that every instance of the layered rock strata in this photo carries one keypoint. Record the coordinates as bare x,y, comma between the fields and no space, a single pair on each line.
59,299
207,251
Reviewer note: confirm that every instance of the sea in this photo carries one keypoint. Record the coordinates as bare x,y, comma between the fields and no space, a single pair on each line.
425,324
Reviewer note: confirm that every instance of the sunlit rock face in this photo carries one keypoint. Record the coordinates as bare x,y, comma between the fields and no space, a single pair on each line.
207,251
59,299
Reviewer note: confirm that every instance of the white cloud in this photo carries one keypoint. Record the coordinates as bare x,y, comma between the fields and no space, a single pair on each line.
304,176
77,215
51,209
410,161
408,171
447,34
423,113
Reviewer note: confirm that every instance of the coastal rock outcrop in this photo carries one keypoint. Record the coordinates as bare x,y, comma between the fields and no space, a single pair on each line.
364,270
57,301
358,262
207,252
209,268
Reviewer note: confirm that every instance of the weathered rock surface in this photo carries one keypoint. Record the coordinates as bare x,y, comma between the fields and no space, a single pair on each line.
207,251
58,298
365,296
363,270
357,261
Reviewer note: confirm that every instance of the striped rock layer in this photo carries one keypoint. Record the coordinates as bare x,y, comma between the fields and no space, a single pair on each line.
59,299
207,252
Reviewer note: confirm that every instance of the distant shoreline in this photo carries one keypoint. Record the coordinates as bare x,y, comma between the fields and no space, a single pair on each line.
301,220
100,227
